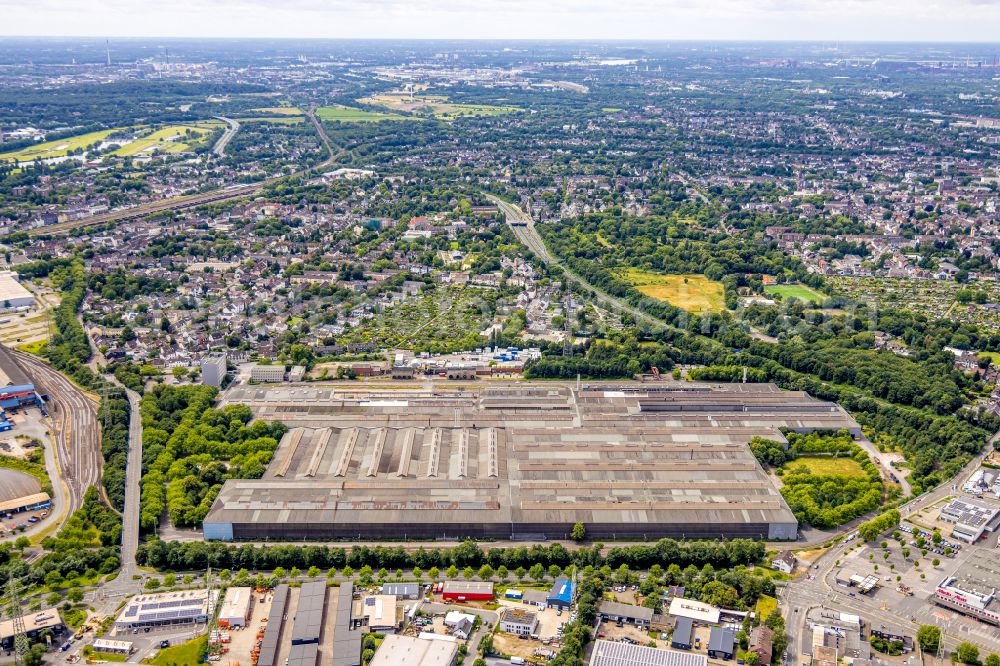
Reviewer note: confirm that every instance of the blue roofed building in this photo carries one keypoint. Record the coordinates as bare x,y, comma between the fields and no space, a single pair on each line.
561,595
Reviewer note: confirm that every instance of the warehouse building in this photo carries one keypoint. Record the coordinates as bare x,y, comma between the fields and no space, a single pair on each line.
683,633
613,611
971,518
627,460
613,653
166,609
408,591
36,626
398,650
237,607
467,590
13,295
308,621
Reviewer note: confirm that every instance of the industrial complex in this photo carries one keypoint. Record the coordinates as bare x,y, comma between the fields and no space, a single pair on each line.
628,460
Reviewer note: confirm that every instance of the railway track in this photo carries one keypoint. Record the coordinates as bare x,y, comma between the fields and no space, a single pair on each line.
75,428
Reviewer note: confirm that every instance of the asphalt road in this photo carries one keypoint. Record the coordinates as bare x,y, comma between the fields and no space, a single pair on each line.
220,146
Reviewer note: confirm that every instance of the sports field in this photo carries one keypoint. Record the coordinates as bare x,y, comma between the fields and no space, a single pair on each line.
346,114
57,148
821,465
694,293
799,291
436,105
170,139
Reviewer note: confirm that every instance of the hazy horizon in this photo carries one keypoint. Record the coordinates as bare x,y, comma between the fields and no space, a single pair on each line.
963,21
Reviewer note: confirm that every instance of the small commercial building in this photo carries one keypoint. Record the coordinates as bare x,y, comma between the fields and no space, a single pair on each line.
380,613
466,590
722,643
31,502
166,609
397,650
613,653
537,598
561,595
237,607
36,625
682,638
971,518
409,591
267,374
519,621
698,611
108,646
213,369
612,611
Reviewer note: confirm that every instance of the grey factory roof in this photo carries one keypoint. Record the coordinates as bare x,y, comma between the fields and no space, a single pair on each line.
308,622
537,455
346,641
610,653
272,632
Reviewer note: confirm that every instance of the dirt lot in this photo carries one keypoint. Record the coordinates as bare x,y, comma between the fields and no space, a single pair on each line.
612,632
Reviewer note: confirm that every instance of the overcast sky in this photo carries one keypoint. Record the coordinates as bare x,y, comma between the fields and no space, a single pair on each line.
863,20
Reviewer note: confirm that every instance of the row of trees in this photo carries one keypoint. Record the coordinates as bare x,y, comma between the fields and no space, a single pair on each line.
192,556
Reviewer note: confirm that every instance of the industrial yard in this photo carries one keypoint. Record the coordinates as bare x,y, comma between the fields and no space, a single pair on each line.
628,460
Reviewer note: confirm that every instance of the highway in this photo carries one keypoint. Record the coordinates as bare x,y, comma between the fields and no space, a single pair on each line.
523,227
220,146
193,200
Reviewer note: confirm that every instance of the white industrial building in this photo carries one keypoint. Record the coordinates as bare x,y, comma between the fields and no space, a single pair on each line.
13,295
971,518
613,653
397,650
166,609
237,607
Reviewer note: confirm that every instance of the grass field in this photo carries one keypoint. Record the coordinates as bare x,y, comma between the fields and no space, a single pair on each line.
191,653
694,293
169,139
436,105
279,111
346,114
276,120
799,291
821,465
765,606
57,148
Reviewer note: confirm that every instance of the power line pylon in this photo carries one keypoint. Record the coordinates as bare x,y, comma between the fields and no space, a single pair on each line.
16,612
